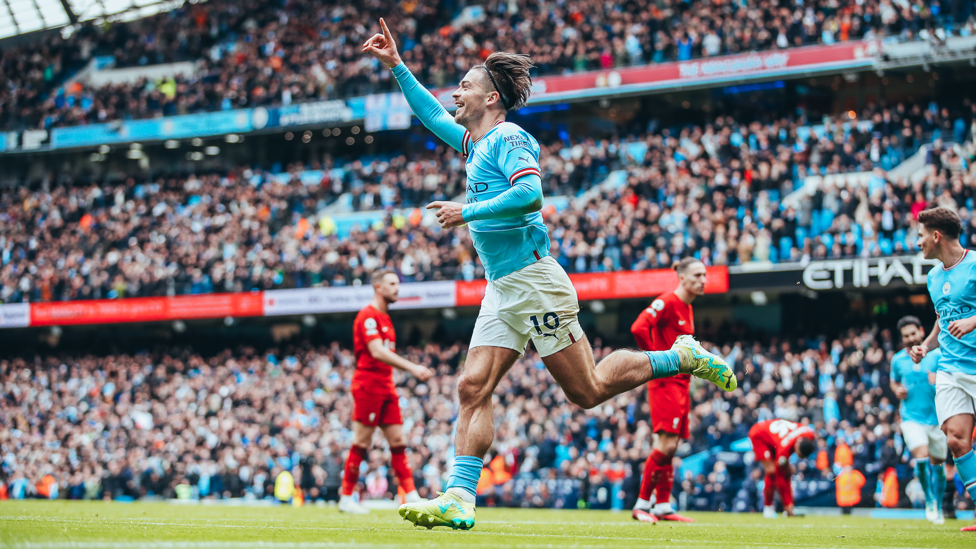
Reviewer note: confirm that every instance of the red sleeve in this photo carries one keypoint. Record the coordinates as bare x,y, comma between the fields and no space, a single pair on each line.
645,323
641,328
369,328
785,447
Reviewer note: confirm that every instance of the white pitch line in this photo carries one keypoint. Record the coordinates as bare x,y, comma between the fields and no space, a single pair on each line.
689,544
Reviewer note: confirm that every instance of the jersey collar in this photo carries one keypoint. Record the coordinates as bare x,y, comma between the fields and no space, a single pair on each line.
965,252
487,132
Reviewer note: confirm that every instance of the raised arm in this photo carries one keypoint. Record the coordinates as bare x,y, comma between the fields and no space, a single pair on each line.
430,112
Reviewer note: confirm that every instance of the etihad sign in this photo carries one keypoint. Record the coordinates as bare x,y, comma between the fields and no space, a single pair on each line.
832,274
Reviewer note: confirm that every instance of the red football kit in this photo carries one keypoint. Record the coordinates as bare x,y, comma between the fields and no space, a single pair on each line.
656,329
373,392
374,397
775,439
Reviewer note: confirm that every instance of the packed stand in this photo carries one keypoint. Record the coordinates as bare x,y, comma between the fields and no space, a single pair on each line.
261,53
714,192
178,424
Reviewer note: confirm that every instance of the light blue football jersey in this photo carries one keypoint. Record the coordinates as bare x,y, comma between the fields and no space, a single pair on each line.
494,162
954,293
919,406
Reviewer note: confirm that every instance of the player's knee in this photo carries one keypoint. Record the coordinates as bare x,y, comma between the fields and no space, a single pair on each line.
958,443
472,390
585,400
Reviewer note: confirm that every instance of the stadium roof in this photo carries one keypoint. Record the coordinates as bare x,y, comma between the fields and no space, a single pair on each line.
23,16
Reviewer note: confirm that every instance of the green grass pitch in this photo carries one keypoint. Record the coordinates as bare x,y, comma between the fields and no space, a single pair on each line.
90,525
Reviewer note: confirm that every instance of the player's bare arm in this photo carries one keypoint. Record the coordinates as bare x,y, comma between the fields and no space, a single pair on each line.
918,352
900,391
381,353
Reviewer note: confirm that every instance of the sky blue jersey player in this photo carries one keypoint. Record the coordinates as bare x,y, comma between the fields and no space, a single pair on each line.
914,384
952,287
528,295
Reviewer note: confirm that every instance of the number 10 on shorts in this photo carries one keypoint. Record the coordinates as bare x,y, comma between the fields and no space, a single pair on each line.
549,320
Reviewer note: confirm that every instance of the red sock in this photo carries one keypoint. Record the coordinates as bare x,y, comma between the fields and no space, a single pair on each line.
402,469
785,487
656,466
649,480
665,481
350,477
769,489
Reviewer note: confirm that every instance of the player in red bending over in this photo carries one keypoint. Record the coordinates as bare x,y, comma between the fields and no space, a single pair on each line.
374,395
668,317
773,441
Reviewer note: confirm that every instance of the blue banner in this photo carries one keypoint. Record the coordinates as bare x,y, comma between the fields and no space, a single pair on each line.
387,111
171,127
307,114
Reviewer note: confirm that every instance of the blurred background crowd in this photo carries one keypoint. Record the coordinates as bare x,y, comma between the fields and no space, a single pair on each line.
256,53
729,193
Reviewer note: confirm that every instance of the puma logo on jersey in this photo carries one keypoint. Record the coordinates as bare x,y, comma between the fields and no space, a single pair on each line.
680,323
385,328
550,335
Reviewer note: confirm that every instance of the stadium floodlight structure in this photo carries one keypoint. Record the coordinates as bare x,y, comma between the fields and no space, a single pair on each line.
24,16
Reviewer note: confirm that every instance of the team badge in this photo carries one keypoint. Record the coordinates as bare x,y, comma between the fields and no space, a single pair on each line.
946,287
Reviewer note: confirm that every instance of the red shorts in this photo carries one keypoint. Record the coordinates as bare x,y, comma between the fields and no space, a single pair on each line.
374,409
670,406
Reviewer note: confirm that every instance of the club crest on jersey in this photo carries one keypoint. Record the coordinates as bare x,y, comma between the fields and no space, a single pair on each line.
946,287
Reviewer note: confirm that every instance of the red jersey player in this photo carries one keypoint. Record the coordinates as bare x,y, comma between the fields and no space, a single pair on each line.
773,441
375,402
656,329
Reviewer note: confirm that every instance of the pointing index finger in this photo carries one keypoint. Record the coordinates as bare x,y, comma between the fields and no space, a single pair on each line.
386,30
435,204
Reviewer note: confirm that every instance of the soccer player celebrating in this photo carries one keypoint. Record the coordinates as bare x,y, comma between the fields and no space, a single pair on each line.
656,329
914,385
375,401
952,288
528,296
773,441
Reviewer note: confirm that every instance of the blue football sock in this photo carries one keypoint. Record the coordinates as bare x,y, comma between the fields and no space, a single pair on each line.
466,472
663,363
937,484
922,474
966,467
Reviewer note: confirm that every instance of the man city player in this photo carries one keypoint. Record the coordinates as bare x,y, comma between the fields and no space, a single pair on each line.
914,385
952,287
528,296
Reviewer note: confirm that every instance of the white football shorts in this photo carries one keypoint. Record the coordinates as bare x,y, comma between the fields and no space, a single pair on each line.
918,434
536,302
955,393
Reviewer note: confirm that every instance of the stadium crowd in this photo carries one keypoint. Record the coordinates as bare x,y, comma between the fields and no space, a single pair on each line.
254,53
174,423
716,192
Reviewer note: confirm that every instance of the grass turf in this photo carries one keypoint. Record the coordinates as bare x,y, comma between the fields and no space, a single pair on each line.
87,525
